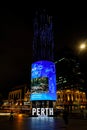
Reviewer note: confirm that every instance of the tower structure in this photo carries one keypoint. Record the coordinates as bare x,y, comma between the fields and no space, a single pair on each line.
43,66
43,42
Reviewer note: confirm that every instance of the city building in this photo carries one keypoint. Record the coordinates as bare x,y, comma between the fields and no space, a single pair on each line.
70,83
17,93
18,99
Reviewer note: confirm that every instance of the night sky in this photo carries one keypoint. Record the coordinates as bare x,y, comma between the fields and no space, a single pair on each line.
16,37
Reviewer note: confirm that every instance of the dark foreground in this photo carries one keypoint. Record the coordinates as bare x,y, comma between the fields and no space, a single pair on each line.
38,123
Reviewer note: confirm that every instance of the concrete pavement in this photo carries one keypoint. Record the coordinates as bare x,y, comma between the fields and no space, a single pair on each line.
38,123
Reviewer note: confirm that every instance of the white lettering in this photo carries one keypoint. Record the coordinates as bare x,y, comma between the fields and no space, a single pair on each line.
33,111
46,111
42,111
50,111
38,111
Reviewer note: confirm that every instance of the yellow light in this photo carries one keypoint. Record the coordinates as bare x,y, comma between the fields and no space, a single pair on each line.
20,104
83,92
77,91
68,90
19,115
68,98
82,46
58,92
4,114
16,104
72,98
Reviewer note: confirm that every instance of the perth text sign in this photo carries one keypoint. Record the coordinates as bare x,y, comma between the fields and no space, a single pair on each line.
42,111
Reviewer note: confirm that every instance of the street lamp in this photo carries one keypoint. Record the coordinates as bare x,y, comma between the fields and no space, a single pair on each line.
82,46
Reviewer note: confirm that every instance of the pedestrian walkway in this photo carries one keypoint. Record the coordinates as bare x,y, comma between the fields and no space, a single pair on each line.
41,123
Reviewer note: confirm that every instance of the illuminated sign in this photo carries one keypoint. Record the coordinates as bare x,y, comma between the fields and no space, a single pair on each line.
42,111
43,81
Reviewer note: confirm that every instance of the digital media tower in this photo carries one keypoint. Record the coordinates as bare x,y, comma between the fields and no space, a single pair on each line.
43,74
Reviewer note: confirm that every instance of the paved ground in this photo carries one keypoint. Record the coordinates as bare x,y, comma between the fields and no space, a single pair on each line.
38,123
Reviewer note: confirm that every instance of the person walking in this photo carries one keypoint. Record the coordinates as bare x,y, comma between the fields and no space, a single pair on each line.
65,117
11,116
81,113
84,113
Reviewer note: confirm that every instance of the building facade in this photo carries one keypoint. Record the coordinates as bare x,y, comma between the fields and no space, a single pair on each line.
18,99
70,83
72,99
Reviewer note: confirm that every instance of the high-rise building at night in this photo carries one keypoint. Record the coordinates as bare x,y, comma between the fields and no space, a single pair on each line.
43,66
69,75
70,83
43,42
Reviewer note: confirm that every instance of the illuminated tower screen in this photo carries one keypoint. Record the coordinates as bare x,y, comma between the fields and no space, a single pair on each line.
43,81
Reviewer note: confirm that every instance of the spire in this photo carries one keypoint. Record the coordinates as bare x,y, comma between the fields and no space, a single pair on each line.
43,44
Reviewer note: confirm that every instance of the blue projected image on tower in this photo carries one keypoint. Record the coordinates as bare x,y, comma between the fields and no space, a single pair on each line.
43,81
39,85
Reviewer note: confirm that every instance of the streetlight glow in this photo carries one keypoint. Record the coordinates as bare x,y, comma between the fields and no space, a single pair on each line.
83,46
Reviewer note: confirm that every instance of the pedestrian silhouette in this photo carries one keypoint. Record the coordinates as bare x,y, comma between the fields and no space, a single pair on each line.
11,116
81,112
65,117
84,113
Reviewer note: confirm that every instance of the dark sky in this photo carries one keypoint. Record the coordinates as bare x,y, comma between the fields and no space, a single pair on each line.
16,37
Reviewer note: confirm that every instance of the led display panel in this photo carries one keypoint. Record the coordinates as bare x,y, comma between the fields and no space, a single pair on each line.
39,85
43,81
